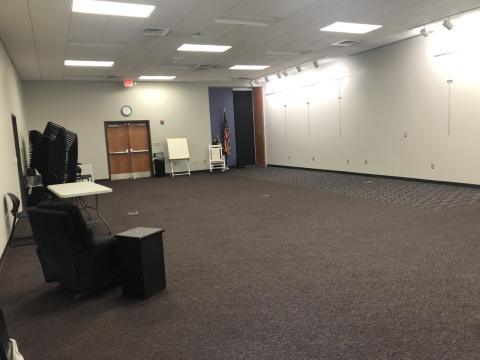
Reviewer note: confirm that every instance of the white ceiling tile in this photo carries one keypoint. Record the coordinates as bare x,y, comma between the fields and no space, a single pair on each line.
296,24
79,51
107,52
50,28
121,29
169,12
17,36
202,15
87,28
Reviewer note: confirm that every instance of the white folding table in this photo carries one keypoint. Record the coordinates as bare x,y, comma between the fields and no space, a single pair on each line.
77,190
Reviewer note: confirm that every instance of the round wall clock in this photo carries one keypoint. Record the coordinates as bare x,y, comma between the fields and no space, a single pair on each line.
126,110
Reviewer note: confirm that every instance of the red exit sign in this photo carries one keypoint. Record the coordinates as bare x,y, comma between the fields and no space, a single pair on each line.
128,83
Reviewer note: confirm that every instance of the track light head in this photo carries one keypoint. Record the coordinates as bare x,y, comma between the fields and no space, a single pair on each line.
285,73
316,64
257,83
424,32
299,68
266,79
448,24
279,75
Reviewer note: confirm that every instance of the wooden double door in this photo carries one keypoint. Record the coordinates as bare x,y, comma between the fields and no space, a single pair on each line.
129,149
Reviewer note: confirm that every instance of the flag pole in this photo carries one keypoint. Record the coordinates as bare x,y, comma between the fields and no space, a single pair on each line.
226,138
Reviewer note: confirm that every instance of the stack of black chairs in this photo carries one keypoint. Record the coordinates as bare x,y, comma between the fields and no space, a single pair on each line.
54,154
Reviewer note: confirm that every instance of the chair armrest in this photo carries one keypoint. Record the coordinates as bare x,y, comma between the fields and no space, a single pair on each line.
104,241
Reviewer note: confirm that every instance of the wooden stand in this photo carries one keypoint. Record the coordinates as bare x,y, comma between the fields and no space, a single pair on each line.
142,266
178,151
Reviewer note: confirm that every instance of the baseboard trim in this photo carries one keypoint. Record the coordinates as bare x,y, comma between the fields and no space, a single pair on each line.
167,174
438,182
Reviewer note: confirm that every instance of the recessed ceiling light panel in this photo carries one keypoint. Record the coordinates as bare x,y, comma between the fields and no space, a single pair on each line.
249,67
204,48
156,77
112,8
350,28
88,63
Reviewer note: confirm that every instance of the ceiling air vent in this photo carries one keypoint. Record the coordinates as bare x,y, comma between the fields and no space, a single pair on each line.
345,43
204,67
156,32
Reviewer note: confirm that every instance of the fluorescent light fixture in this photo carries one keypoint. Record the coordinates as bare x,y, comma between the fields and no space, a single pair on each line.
241,21
112,8
156,77
204,48
249,67
350,28
88,63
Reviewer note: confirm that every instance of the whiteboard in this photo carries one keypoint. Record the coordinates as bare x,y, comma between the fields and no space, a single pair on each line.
178,149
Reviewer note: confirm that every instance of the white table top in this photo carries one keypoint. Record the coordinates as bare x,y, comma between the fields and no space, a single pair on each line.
77,189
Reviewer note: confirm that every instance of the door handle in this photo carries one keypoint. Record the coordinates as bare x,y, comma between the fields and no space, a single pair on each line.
138,151
119,152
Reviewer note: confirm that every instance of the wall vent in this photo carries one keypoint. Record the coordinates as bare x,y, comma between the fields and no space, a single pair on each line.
345,43
156,32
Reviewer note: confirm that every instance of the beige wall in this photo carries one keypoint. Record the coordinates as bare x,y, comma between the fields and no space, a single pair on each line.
10,103
393,113
83,107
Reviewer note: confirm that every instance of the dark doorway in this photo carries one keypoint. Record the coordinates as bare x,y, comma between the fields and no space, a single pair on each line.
244,130
18,154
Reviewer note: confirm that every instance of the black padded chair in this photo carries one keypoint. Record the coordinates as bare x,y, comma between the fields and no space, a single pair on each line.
17,216
69,253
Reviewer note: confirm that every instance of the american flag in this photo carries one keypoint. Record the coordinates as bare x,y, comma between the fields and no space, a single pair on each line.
227,147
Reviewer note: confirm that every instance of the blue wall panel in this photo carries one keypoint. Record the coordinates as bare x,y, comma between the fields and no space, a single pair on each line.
222,98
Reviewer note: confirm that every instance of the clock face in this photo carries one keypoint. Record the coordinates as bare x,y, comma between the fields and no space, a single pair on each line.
126,110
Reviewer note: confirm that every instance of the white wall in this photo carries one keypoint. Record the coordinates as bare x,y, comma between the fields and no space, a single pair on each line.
401,88
10,103
83,107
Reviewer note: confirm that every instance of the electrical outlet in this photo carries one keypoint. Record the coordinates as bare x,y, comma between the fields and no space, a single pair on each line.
366,162
432,166
405,134
348,161
313,158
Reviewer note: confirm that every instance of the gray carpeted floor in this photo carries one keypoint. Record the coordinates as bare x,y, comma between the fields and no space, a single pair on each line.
408,192
263,270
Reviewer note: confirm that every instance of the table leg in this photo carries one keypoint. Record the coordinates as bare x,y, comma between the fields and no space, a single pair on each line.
100,215
83,206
